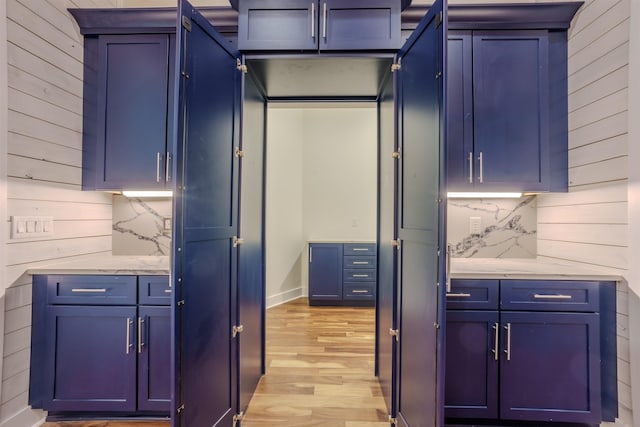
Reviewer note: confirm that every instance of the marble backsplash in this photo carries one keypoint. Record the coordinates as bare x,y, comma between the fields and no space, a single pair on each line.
138,226
508,227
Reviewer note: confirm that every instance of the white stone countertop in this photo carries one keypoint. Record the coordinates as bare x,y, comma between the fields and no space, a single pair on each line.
524,268
133,265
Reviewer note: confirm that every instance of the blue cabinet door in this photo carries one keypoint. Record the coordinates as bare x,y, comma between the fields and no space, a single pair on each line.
471,388
154,358
278,25
549,368
206,217
130,147
421,218
92,358
387,254
325,272
359,25
511,109
460,156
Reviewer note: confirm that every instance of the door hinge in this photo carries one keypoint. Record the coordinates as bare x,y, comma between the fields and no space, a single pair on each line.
396,244
184,74
395,333
395,154
181,302
396,66
393,421
237,418
436,325
240,66
186,23
438,75
236,330
237,241
238,152
439,19
180,408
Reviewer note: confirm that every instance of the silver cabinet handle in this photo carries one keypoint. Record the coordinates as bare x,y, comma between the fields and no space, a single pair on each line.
360,249
448,268
140,343
89,290
360,275
508,350
310,254
481,177
129,345
167,171
360,262
167,291
470,167
546,296
158,161
359,291
459,295
496,345
324,20
313,19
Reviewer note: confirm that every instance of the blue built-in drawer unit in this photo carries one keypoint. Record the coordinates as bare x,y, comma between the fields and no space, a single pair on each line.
342,273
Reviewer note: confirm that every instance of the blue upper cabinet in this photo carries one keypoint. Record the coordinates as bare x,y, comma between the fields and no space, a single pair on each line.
127,96
504,134
312,25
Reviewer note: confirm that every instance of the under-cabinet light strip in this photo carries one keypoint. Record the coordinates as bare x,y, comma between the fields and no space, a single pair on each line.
489,195
129,193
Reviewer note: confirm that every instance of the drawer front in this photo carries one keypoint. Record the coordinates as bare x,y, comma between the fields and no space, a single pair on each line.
359,249
91,290
154,290
473,295
359,262
359,275
358,291
549,295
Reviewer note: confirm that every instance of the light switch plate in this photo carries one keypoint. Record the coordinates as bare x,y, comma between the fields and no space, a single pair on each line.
31,227
475,225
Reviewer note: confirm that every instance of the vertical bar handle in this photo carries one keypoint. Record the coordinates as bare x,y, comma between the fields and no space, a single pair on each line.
158,160
140,342
324,20
508,350
448,267
129,345
167,171
313,19
496,344
481,168
470,167
310,254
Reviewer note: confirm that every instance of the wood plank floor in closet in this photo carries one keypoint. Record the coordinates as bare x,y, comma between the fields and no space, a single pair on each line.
319,372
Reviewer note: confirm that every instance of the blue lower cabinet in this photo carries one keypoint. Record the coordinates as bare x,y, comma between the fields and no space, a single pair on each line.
342,273
154,358
91,359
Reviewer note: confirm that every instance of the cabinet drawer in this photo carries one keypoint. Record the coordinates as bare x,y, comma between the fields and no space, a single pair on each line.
360,249
154,290
361,275
91,290
554,295
360,262
358,291
473,295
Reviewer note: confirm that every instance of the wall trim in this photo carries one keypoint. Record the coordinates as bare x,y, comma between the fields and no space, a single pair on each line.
282,297
26,417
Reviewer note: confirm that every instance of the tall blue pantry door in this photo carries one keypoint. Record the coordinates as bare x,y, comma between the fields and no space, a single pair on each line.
421,209
206,225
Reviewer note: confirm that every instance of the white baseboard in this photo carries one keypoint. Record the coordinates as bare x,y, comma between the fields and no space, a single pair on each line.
26,417
283,297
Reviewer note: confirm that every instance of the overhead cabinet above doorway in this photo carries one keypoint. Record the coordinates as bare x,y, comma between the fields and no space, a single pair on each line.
324,25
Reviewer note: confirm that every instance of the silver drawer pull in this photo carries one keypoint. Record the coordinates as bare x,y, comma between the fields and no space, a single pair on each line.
167,291
360,249
360,262
359,291
460,295
545,296
360,275
90,290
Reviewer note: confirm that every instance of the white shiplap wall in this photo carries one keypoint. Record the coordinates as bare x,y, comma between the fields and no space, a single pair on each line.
589,225
44,155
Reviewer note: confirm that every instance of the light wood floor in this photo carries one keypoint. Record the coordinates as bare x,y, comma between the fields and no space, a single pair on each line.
319,372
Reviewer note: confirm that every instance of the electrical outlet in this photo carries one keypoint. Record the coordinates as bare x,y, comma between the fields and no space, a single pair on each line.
167,223
475,225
